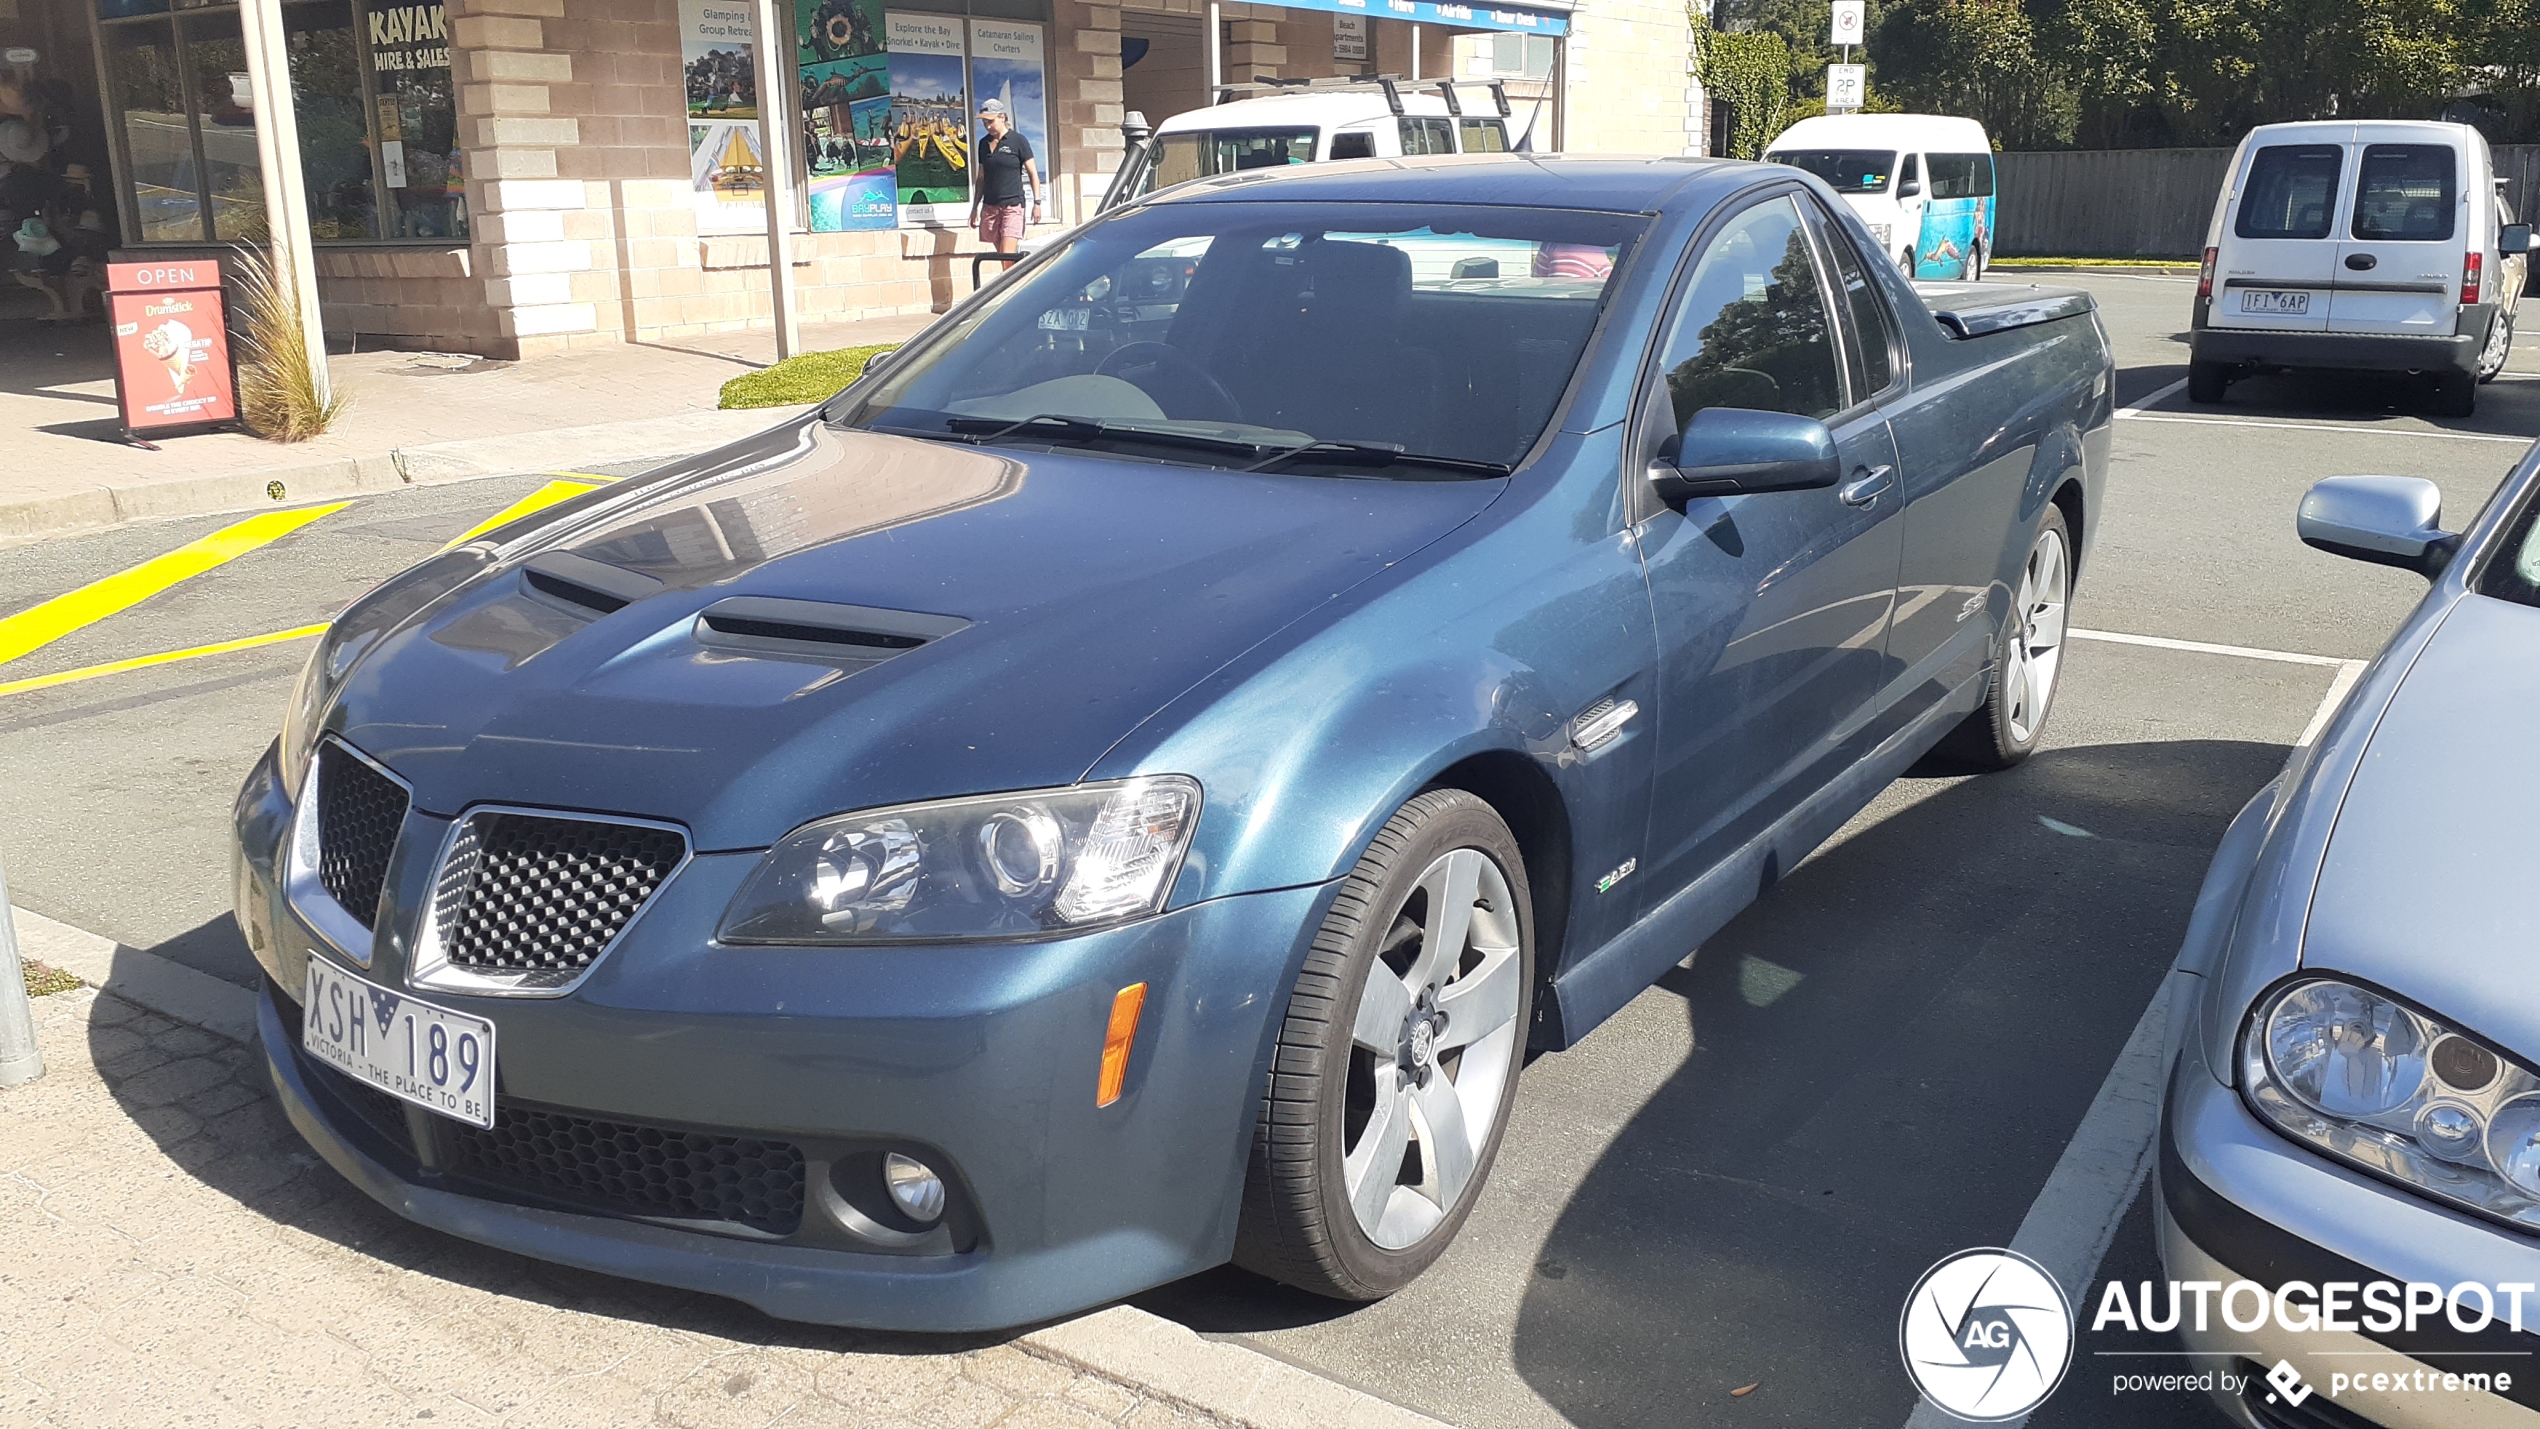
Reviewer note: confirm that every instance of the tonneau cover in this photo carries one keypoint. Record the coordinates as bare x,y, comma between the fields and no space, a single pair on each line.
1976,309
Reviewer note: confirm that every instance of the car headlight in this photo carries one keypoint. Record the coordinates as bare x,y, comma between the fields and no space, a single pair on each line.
361,627
1000,866
2377,1083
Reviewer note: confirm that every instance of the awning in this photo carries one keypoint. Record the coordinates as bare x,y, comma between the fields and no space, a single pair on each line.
1445,12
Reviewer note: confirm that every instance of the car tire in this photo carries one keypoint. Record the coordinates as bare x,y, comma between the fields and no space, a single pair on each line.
2499,349
2028,662
1353,1080
1975,264
2455,394
1905,261
2207,381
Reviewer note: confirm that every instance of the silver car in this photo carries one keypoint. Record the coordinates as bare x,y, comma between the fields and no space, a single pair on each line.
2350,1146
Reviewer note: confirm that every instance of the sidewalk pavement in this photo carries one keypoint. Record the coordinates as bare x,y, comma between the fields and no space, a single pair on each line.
414,417
171,1253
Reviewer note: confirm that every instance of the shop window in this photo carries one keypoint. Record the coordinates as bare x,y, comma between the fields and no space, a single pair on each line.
371,94
1516,54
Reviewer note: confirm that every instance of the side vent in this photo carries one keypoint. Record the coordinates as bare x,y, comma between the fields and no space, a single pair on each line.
856,635
593,585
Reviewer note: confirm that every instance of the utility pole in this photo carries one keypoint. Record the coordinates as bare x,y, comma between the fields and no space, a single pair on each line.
20,1060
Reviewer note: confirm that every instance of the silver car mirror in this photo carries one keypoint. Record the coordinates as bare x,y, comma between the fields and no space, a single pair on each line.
2387,520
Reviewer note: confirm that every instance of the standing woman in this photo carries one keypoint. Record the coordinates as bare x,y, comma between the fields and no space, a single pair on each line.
1004,166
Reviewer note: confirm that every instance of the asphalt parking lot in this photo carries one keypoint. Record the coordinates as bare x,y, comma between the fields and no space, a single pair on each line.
1734,1182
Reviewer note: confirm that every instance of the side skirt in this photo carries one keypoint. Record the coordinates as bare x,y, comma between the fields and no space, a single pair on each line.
1598,985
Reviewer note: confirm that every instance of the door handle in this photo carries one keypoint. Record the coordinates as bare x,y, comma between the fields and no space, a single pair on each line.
1867,485
2362,262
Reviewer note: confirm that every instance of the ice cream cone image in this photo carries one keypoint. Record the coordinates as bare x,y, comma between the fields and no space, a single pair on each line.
172,342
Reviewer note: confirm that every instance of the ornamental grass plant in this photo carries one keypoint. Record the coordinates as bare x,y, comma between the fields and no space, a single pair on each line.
280,396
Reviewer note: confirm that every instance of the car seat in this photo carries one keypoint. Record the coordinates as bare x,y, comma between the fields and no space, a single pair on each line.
1322,348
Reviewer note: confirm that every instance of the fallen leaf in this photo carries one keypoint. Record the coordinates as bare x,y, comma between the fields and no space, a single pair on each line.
1744,1390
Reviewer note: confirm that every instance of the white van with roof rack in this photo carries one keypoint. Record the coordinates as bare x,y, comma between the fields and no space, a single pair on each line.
2380,247
1272,123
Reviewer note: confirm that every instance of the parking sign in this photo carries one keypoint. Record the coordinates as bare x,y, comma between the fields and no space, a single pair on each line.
1846,86
1848,20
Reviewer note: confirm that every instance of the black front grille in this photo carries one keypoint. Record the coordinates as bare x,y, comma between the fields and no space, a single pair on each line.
620,1168
359,811
537,894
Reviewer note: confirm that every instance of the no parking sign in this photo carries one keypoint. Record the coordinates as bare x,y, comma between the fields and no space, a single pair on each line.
1848,21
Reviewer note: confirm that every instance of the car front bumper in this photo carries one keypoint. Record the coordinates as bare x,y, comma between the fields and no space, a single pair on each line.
2360,352
981,1060
2239,1201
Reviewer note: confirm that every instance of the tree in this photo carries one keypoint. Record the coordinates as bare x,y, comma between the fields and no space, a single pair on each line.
1975,58
1750,72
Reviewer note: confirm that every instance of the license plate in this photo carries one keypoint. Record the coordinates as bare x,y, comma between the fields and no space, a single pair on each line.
2270,300
1066,319
438,1059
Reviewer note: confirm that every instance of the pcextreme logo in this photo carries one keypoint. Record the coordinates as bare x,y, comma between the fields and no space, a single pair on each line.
1986,1335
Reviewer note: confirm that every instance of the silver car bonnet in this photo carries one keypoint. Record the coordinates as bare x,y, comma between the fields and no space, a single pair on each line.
2423,887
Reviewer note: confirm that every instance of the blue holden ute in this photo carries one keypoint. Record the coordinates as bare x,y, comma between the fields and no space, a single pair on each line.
1126,785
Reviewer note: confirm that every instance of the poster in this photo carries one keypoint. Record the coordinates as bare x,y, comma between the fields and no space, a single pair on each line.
1349,36
719,65
845,74
171,344
1006,63
930,119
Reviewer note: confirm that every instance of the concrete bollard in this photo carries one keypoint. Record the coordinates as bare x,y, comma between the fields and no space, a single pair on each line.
20,1059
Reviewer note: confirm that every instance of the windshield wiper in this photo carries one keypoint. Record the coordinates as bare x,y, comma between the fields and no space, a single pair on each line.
1380,454
1060,427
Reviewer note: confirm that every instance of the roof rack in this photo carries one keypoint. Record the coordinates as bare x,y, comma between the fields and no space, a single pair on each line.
1392,86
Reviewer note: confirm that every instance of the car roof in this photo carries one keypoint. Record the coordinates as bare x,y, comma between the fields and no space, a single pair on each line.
1875,129
1278,111
2349,131
1611,183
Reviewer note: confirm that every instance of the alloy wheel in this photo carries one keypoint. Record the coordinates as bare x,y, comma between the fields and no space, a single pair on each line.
2036,648
2500,345
1431,1049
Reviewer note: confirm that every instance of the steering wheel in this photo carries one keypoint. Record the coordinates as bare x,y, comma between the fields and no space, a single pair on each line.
1184,389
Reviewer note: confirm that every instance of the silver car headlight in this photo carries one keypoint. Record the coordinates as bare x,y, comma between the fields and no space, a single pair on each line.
2374,1082
355,633
1023,865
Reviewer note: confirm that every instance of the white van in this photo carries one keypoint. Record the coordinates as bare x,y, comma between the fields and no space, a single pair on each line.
2383,247
1922,182
1311,121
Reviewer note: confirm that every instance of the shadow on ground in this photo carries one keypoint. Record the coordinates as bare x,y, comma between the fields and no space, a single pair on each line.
1890,1053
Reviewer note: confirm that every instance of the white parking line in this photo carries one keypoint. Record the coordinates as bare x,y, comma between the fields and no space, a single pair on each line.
2155,399
2076,1213
2338,428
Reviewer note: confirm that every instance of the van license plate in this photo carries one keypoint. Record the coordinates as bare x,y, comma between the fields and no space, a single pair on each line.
2270,300
438,1059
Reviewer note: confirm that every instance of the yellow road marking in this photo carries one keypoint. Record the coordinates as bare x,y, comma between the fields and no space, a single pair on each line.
536,501
144,662
38,627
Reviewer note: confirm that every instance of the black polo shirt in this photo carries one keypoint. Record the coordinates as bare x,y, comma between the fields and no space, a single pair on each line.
1001,164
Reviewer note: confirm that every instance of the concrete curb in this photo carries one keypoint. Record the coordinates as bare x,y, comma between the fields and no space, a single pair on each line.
1155,1357
1239,1386
170,989
110,504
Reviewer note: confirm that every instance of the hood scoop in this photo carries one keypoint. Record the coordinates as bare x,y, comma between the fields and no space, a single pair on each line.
593,585
853,635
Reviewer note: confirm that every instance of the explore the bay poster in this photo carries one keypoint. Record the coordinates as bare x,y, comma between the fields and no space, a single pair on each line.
930,118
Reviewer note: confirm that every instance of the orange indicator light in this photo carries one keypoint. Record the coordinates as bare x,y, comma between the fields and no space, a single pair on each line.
1116,1041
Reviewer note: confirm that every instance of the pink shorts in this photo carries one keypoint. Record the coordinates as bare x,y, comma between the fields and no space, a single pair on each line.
998,222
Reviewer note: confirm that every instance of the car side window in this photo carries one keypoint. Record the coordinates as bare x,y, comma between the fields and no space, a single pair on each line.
1752,328
1426,136
1353,144
1869,336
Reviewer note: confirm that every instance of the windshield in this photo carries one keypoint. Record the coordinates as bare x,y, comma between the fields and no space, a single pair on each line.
1851,171
1183,157
1221,333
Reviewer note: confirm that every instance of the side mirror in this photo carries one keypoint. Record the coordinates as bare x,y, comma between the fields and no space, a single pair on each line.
2514,238
2387,520
1732,451
1908,188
